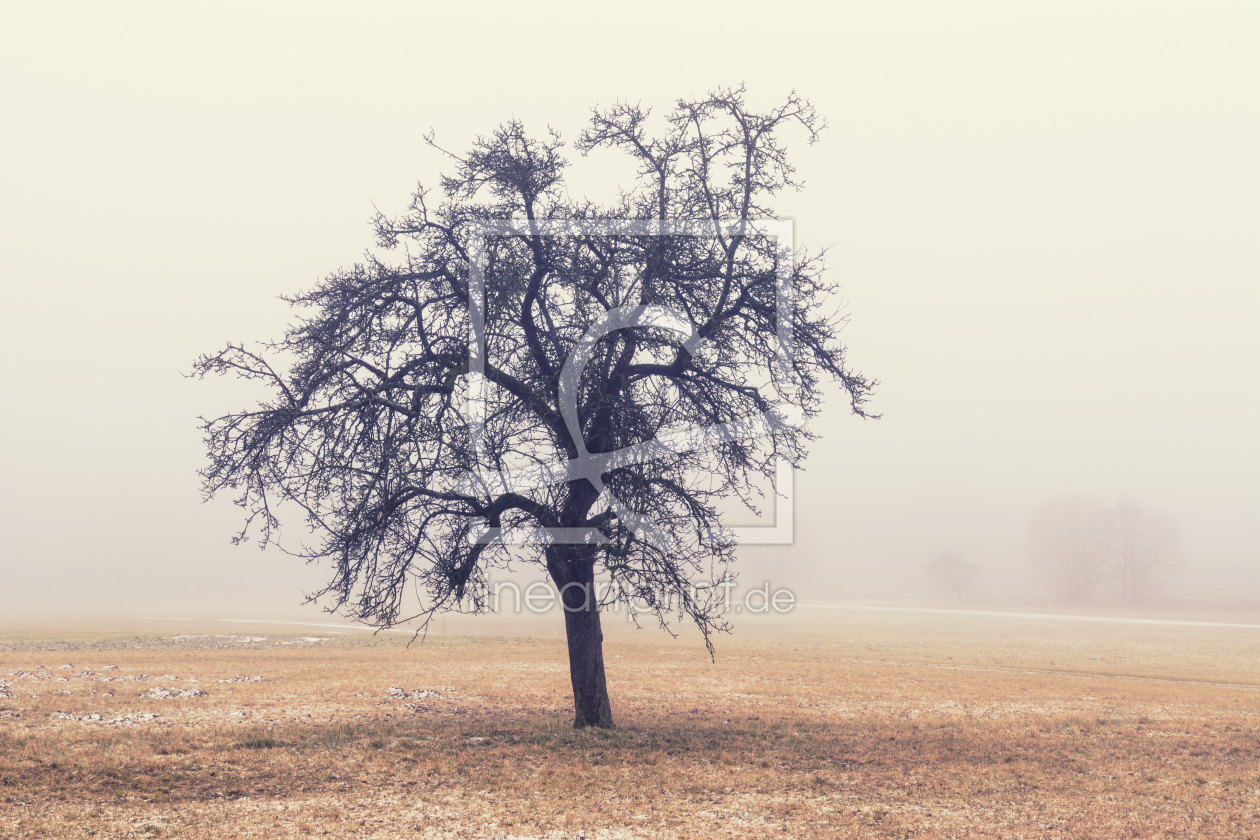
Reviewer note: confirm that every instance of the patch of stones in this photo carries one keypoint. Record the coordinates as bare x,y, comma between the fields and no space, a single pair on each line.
165,694
425,696
397,693
5,691
136,678
86,674
40,673
126,720
240,680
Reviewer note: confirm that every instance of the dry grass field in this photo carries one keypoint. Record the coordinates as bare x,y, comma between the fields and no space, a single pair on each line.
860,724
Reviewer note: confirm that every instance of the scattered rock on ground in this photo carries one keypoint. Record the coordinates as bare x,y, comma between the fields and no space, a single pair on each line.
419,694
132,720
164,694
96,717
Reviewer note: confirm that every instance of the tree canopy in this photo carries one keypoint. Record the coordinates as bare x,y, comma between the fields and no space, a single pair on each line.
525,365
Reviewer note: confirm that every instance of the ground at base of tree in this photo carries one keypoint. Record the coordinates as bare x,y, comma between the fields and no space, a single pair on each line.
868,726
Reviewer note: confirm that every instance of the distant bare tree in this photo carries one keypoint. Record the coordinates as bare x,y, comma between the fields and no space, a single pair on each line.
1145,545
1069,540
953,576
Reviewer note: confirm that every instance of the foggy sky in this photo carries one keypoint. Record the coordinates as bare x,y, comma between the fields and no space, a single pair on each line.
1044,217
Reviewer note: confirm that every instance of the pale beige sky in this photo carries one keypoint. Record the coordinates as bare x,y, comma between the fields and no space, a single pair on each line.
1044,216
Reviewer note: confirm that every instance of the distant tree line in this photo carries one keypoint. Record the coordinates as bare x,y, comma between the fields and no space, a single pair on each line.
1084,550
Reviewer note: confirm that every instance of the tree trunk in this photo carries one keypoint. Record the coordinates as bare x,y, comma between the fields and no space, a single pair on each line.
586,656
572,569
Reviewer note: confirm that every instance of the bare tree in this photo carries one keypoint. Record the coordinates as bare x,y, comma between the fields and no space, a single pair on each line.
1145,545
951,575
415,455
1069,542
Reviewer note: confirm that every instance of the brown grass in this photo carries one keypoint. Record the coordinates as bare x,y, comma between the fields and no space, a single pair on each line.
871,726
